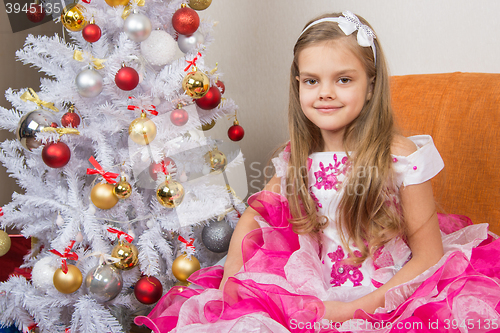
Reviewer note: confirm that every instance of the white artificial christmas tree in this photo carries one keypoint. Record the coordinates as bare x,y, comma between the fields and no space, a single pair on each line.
143,137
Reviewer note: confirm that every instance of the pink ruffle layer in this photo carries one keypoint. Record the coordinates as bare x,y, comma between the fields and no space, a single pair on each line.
459,295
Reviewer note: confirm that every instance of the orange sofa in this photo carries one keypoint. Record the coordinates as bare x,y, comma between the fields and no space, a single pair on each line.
461,111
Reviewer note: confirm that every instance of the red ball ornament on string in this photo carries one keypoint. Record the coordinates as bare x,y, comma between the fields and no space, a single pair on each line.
148,290
91,33
56,155
179,116
236,132
185,20
211,99
35,13
70,119
127,78
161,168
221,86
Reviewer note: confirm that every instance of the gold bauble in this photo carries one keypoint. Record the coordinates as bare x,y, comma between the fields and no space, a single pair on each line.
127,253
216,159
142,130
199,4
170,193
116,3
208,126
73,18
196,84
4,243
102,196
70,282
182,267
122,189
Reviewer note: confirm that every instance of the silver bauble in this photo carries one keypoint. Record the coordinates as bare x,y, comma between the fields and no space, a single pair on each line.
89,83
32,123
159,49
189,43
137,26
104,282
217,235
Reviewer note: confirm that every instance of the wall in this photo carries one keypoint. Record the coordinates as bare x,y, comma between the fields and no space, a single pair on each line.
253,46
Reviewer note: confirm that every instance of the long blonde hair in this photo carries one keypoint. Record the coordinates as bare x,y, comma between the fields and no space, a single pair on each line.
364,218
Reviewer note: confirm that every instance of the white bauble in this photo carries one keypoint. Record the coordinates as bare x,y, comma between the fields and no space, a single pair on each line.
137,27
42,274
159,49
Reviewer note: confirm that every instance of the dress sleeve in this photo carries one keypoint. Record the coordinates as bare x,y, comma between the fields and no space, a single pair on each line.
281,162
421,165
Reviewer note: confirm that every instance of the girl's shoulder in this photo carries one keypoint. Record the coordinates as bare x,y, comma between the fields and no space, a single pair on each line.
415,159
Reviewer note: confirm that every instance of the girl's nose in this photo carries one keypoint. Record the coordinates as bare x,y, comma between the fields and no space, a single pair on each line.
327,92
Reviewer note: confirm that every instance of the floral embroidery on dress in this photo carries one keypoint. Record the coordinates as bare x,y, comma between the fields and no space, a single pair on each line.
327,177
343,272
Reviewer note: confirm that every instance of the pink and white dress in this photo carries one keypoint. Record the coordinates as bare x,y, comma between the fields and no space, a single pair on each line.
286,277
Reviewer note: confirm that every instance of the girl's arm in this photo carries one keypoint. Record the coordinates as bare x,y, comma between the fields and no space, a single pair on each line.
246,223
424,240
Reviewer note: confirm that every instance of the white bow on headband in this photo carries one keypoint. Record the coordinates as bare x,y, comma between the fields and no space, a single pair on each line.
349,23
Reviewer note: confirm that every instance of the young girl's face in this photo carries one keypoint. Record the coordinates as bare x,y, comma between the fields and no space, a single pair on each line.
333,88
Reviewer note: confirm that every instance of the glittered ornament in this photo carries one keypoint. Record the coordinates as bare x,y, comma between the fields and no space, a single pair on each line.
104,282
56,154
122,189
116,3
170,193
210,100
148,290
208,126
4,243
127,253
183,267
196,84
161,167
221,85
69,282
179,116
127,78
216,159
73,18
31,124
236,132
199,4
91,33
70,118
89,83
159,49
189,43
35,13
217,235
185,20
102,196
42,274
137,26
142,130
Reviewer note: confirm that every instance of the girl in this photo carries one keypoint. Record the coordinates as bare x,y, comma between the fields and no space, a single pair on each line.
347,228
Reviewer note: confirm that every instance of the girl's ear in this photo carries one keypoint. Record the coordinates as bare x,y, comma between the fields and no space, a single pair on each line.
297,78
370,89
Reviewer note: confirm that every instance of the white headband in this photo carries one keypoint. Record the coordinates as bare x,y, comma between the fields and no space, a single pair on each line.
348,24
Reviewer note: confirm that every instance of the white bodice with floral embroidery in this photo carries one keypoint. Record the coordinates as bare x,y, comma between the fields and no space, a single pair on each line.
327,171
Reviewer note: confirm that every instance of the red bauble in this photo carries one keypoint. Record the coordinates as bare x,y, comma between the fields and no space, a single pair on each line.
70,119
156,168
186,21
36,13
91,33
56,155
127,78
148,290
221,86
235,132
210,100
179,117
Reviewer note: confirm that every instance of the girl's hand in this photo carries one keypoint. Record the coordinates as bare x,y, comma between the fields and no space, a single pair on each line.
339,311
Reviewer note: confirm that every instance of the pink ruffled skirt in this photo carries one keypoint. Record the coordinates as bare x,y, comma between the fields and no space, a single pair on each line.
280,287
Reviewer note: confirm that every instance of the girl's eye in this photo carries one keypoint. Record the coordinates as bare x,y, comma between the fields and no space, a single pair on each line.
310,81
344,80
